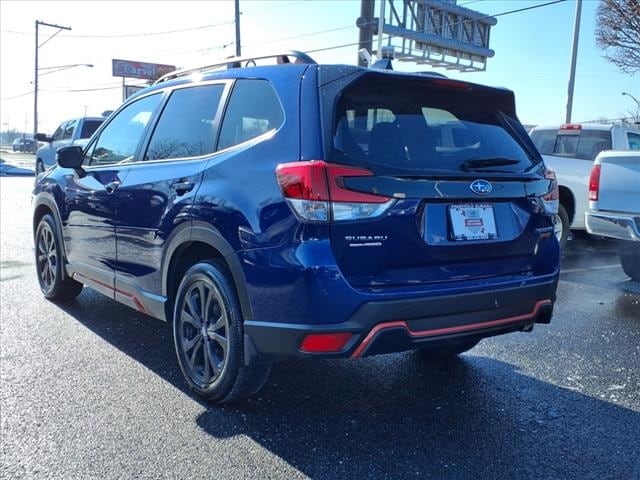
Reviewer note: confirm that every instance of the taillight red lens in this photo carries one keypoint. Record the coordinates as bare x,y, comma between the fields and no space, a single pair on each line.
316,188
339,193
554,193
325,342
594,183
551,200
303,180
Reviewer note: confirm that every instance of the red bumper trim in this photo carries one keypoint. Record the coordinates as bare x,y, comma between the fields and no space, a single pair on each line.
138,304
442,331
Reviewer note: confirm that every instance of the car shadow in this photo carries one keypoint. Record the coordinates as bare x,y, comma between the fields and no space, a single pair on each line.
397,416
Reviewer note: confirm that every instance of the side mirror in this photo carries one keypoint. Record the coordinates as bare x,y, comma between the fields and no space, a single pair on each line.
71,157
41,137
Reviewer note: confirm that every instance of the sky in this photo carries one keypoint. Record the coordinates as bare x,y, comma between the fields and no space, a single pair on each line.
532,51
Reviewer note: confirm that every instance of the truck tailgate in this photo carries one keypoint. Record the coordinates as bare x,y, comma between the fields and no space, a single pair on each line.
619,182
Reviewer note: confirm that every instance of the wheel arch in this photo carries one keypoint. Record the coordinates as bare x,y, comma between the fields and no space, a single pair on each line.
200,241
568,201
44,204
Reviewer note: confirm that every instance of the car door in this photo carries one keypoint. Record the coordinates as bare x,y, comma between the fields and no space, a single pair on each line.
156,196
89,232
48,154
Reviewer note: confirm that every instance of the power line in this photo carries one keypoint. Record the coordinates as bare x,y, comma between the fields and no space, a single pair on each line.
467,3
311,34
518,10
17,96
132,35
453,24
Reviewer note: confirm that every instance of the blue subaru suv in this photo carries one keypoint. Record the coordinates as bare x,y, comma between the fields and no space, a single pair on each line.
305,210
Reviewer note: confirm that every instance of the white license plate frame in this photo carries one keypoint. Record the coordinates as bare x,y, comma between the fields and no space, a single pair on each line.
472,222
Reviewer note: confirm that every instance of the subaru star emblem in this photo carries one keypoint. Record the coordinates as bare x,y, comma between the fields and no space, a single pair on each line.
481,187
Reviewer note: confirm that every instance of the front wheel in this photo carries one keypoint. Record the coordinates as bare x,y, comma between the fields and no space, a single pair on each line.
49,263
209,338
630,259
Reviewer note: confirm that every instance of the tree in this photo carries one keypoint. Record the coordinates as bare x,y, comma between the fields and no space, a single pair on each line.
618,33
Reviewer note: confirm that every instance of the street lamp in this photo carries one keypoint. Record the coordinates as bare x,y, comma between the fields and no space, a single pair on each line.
634,98
35,70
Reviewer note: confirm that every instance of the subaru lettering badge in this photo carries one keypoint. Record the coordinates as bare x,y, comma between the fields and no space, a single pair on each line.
481,187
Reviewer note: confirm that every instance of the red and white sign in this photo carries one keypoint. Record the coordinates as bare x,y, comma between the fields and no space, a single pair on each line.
146,71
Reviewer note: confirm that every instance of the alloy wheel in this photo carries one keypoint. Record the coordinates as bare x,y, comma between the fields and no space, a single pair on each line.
558,228
47,257
203,333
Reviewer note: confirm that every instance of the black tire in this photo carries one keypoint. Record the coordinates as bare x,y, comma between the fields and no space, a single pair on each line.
630,259
209,342
448,351
561,226
49,263
39,167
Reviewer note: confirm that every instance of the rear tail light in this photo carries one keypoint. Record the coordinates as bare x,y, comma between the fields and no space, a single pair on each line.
551,200
594,183
571,126
325,342
316,192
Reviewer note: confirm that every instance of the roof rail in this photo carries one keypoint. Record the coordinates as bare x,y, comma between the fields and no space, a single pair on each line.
236,62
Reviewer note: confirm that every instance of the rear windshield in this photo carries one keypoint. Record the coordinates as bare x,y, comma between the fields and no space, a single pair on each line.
89,127
583,144
418,128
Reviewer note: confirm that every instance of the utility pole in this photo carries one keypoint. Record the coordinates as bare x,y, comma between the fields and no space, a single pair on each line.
238,49
35,72
365,24
574,58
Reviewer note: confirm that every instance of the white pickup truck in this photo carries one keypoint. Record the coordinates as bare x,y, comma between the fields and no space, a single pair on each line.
614,204
70,132
569,150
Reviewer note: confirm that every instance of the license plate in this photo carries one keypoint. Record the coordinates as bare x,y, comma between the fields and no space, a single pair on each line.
472,222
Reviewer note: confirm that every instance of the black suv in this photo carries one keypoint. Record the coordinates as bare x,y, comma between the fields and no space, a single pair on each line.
305,210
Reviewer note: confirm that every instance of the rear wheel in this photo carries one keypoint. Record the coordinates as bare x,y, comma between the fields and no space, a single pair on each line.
561,226
447,351
630,259
49,263
209,338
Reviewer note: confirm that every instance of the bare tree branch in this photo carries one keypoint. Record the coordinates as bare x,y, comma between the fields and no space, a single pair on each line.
618,33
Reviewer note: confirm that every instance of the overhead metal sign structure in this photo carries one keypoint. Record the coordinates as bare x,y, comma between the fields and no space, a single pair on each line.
435,32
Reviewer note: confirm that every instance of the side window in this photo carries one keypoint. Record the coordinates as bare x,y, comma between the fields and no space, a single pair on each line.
544,140
89,127
634,140
592,142
186,127
57,135
119,140
254,109
68,129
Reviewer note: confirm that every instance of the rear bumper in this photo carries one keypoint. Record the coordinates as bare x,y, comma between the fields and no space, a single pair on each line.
614,225
393,326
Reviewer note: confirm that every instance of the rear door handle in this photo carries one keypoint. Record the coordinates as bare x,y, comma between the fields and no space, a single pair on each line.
182,187
112,186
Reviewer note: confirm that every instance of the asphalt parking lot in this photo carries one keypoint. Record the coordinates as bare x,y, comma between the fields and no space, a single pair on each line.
92,389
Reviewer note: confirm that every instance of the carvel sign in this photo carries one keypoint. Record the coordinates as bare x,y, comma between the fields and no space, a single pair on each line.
147,71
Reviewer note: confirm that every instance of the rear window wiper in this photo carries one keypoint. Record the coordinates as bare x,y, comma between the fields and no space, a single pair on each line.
482,163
